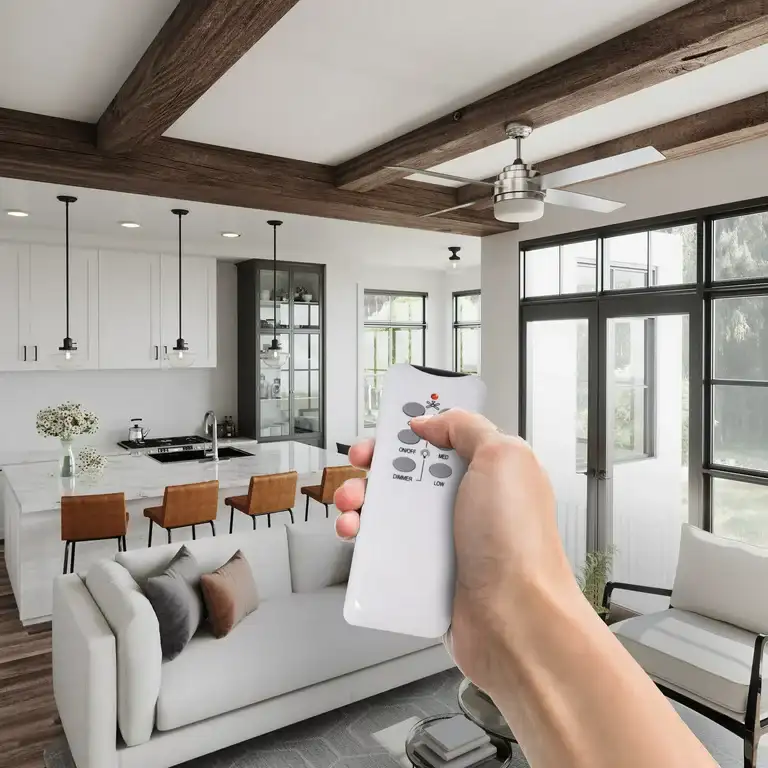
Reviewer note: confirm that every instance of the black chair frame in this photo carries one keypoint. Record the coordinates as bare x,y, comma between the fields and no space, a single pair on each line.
176,527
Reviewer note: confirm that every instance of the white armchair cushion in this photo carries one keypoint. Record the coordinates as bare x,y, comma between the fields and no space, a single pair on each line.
318,557
718,577
139,657
704,658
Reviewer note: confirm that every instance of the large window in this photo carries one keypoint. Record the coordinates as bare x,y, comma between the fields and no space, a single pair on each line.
466,331
394,332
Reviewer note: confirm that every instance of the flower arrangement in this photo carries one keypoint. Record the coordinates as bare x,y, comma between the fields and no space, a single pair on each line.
66,421
90,462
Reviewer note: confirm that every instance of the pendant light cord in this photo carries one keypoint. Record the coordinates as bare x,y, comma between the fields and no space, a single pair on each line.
66,247
274,281
180,336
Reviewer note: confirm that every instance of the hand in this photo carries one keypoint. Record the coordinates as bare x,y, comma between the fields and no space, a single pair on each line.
504,528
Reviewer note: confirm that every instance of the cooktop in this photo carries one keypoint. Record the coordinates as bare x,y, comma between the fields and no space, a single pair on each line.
185,442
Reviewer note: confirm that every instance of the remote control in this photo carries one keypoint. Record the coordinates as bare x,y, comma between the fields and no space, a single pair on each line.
403,566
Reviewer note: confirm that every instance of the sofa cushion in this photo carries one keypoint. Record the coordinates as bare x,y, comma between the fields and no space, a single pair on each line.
137,637
176,599
266,552
710,659
285,645
318,557
716,577
230,594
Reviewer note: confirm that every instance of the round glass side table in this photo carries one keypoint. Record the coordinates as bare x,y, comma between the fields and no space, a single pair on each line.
503,757
480,709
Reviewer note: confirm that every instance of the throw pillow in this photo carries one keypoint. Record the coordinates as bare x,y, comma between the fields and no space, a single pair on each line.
175,596
230,594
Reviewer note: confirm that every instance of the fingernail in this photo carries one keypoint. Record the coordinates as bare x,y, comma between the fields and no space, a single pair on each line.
420,420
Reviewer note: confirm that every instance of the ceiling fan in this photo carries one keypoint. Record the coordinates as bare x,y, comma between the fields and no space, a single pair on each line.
520,191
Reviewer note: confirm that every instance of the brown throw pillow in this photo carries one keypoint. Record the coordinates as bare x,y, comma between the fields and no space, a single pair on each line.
230,594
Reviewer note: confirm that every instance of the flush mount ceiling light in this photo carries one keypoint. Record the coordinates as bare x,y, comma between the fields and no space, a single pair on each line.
17,213
274,356
230,234
67,356
180,356
454,258
130,224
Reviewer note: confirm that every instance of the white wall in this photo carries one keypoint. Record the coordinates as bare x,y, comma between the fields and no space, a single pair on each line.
728,175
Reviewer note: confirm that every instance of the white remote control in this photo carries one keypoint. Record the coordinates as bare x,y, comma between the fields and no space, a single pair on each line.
403,567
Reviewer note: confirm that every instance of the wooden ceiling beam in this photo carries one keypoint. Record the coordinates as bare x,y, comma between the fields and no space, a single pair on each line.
198,43
52,150
706,131
690,37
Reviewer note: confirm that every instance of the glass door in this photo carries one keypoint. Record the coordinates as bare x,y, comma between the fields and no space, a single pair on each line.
647,436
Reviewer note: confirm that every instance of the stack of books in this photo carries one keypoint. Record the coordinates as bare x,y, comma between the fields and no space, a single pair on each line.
455,743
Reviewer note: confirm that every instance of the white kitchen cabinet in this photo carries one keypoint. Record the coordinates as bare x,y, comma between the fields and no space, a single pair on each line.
33,303
129,310
198,307
11,342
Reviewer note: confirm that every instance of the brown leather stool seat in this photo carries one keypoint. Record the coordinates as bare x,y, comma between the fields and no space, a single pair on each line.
333,478
92,518
185,505
267,495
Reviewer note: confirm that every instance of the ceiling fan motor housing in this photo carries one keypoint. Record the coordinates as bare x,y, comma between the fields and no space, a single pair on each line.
518,181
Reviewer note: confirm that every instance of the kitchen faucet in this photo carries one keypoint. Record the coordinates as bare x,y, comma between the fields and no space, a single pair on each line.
211,416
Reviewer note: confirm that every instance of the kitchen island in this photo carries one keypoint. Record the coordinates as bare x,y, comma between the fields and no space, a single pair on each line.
32,493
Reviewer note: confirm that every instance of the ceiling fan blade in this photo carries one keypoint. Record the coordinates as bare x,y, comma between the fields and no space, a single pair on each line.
448,210
446,176
583,202
599,168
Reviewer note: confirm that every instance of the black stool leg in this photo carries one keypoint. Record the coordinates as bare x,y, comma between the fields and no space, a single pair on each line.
66,557
306,510
269,521
253,517
169,535
213,527
231,518
119,543
72,558
290,512
150,532
326,511
125,544
194,535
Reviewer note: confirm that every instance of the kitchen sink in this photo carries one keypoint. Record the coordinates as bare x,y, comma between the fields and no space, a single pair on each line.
225,453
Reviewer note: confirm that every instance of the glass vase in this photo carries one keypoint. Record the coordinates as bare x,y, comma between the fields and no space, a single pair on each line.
67,460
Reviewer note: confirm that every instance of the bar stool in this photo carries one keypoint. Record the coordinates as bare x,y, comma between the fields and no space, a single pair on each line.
267,495
333,478
185,505
92,518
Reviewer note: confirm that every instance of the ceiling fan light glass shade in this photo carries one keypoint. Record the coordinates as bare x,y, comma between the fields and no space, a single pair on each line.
518,210
180,356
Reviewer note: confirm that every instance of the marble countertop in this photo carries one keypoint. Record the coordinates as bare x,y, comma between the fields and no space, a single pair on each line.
37,486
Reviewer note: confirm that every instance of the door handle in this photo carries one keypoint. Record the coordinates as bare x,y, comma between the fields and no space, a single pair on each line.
602,474
157,352
35,352
25,353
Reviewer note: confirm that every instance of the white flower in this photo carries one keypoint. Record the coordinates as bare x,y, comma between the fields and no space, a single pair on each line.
66,421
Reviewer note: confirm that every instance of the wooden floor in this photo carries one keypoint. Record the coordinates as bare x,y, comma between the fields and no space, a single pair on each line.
28,717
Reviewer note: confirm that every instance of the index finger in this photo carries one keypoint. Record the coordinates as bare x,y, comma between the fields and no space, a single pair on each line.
464,431
361,454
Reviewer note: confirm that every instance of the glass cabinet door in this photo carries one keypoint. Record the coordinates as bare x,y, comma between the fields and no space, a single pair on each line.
274,394
306,383
306,299
268,289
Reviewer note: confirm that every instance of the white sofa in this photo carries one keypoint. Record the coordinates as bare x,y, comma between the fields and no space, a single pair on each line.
293,658
707,650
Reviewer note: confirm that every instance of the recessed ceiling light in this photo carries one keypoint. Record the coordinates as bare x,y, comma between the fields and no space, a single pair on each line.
230,234
19,214
130,224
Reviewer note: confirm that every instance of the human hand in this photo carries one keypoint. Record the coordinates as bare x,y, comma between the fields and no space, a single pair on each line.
505,533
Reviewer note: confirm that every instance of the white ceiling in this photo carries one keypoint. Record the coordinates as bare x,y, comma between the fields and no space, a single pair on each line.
726,81
96,215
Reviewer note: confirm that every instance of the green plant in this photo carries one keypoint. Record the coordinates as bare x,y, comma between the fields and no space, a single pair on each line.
594,574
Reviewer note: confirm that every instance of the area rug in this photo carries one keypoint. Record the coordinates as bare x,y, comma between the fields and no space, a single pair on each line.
343,738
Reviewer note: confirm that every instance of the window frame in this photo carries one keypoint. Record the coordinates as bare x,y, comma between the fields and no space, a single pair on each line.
391,326
457,324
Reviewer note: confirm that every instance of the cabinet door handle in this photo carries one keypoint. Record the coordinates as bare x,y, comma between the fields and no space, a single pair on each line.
35,352
157,352
165,350
25,353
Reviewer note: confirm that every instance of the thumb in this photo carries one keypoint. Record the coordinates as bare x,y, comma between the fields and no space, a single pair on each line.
458,429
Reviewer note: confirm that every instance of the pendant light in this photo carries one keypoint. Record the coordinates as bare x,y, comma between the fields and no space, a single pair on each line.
67,356
274,356
180,356
454,258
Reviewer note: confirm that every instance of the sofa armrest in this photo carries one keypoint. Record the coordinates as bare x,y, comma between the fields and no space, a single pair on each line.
752,718
610,586
84,674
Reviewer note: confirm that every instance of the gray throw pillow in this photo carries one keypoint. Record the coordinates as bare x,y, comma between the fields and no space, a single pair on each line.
176,598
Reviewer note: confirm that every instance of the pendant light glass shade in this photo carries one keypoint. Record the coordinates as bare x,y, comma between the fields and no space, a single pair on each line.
274,356
67,356
179,355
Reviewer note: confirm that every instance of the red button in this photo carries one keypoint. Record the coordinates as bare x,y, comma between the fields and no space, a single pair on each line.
434,397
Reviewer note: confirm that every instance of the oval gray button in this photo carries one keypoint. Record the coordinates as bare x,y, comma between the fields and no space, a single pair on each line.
414,409
408,436
440,470
404,464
